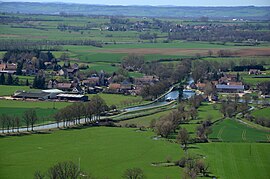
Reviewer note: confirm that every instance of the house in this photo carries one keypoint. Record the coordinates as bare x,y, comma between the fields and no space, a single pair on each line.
64,86
92,81
254,72
114,87
146,80
8,68
200,86
52,84
230,88
60,72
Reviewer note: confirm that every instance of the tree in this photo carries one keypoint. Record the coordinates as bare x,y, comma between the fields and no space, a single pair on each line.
3,122
39,175
10,79
29,117
27,82
64,170
201,167
17,122
183,137
8,120
2,79
164,126
58,117
99,105
134,173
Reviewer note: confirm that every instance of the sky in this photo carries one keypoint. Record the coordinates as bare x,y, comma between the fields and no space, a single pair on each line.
161,2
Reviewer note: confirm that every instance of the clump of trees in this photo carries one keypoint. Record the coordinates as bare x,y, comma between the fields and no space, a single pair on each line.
230,108
169,123
204,130
263,121
193,167
133,62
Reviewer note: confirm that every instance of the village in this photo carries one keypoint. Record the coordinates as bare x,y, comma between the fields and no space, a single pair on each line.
75,86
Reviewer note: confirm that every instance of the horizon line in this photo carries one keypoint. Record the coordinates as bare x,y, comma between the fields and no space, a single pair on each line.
145,5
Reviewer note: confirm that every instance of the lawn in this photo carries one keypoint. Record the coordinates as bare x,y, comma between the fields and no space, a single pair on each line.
230,130
144,121
236,160
104,152
7,90
32,104
265,112
207,110
118,100
44,115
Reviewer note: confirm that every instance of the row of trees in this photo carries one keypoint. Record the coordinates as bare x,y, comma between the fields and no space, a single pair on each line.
216,33
72,114
13,123
8,80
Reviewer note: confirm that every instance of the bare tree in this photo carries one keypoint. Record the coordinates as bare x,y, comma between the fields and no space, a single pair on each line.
30,117
3,122
63,170
183,137
134,173
17,122
39,175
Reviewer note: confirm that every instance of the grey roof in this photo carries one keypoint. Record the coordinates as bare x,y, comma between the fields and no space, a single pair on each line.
31,94
236,87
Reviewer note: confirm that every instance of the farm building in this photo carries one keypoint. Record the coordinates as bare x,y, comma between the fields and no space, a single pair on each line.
230,88
72,97
41,95
32,95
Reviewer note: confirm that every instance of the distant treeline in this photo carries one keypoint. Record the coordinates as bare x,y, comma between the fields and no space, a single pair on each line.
6,45
221,33
247,12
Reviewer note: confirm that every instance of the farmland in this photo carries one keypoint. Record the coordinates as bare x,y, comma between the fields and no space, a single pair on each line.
89,54
233,131
99,150
236,160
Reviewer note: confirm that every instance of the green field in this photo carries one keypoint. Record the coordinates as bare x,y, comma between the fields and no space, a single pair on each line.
44,115
104,152
32,104
230,130
143,121
236,160
265,112
7,90
118,99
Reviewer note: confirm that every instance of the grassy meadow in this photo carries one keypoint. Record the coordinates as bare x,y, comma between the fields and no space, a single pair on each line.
104,152
236,160
230,130
7,90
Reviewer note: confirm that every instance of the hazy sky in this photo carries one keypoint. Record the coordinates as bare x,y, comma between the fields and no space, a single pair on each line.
162,2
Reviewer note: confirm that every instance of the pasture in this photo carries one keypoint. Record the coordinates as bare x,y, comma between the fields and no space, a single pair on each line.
104,152
236,160
119,100
265,112
230,130
7,90
32,104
